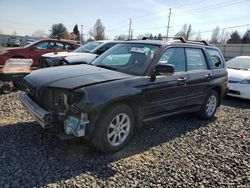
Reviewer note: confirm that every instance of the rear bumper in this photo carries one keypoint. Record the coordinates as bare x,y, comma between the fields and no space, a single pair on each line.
39,114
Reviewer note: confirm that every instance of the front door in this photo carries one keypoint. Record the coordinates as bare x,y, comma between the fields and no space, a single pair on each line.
167,93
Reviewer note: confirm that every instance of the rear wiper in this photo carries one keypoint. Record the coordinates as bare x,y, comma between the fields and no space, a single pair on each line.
106,67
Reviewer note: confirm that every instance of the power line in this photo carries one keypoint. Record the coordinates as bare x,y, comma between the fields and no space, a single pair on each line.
232,27
216,6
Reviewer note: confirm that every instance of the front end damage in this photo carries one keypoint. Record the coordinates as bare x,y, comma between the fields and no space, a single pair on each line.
58,109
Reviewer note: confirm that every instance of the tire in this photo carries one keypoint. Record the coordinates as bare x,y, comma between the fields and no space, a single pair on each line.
6,88
210,105
109,136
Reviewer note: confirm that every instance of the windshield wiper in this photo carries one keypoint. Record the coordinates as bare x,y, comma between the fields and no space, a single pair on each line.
106,67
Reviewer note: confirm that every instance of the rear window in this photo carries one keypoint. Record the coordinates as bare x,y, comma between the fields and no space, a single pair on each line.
216,58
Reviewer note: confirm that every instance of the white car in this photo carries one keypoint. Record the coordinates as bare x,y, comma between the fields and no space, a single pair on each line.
239,77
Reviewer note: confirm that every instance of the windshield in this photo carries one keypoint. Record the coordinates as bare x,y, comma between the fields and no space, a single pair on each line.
128,58
239,63
88,47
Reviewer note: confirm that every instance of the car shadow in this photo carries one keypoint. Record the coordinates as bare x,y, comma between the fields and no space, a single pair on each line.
30,154
236,102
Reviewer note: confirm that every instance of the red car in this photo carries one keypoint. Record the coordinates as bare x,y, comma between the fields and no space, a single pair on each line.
35,50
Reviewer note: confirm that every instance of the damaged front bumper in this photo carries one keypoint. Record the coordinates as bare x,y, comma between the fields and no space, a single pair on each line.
41,116
73,124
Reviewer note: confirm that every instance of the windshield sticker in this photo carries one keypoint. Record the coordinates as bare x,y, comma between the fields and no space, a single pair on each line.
137,50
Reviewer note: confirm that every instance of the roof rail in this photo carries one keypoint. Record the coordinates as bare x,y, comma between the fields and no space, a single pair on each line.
182,39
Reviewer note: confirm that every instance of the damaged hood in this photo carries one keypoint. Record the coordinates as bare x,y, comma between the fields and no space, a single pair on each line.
71,77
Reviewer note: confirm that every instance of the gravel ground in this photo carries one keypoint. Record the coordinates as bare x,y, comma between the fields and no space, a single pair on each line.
181,151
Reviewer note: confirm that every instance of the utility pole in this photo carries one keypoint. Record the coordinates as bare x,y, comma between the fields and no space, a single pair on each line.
169,17
81,34
129,30
131,33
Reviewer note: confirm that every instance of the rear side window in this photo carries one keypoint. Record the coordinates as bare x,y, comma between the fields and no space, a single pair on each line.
196,59
176,57
216,58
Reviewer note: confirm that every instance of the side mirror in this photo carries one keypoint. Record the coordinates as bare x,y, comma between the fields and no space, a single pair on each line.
162,69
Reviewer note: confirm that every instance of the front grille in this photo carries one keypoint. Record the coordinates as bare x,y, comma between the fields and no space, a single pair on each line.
234,92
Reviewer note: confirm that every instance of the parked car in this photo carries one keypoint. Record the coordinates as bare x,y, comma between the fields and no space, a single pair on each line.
29,41
239,77
13,41
35,50
133,82
83,58
96,48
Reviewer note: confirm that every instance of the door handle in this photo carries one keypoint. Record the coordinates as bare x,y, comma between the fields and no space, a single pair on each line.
182,79
209,76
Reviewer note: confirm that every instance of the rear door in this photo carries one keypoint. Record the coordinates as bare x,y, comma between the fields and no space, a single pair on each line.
199,76
167,93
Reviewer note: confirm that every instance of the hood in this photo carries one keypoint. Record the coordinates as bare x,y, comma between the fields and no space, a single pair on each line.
71,77
59,54
238,75
12,49
81,58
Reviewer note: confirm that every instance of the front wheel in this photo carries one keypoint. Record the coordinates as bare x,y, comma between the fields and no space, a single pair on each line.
210,105
114,129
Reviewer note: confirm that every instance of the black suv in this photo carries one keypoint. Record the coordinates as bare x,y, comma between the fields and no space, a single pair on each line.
131,83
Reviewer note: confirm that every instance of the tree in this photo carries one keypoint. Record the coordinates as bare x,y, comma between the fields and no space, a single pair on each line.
235,38
246,37
59,31
121,37
98,32
186,32
215,36
151,36
39,33
198,36
159,36
76,32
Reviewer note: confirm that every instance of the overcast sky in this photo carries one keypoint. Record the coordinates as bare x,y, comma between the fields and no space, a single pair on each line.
148,16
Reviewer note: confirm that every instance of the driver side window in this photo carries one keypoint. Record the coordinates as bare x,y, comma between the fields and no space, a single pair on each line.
176,57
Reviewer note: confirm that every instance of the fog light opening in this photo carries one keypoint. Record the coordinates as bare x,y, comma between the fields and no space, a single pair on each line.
75,125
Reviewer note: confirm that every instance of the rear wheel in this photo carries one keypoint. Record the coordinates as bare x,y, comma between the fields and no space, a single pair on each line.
210,105
114,129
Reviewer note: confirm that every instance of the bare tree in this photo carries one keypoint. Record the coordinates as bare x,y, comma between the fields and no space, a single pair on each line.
235,38
198,36
98,31
186,32
121,37
215,37
159,37
39,33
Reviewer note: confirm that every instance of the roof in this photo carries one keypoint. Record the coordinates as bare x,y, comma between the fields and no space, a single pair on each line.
63,40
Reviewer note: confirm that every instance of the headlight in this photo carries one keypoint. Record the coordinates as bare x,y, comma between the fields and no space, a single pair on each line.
245,82
3,52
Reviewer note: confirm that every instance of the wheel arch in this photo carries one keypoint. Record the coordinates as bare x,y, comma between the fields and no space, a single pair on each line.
134,104
219,92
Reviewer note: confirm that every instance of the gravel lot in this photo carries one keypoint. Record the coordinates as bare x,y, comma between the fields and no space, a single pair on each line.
181,151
